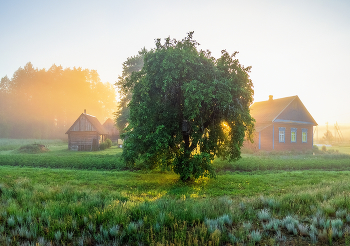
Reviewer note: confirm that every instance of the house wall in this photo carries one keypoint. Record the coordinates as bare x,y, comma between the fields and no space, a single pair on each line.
113,133
266,138
269,138
269,145
252,146
83,140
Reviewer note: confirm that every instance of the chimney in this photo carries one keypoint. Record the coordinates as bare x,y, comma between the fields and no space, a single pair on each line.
270,98
84,111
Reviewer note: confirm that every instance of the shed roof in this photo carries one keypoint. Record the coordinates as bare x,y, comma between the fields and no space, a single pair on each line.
108,122
287,109
94,122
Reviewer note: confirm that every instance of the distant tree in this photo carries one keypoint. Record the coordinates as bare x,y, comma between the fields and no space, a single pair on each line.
39,103
5,84
328,137
132,64
187,108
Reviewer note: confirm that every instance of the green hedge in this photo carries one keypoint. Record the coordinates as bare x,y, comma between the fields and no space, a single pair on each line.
102,162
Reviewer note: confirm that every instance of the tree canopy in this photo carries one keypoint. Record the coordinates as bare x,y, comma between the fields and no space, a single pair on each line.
40,103
187,108
132,64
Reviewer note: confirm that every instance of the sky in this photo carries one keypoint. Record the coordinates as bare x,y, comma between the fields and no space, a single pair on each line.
294,47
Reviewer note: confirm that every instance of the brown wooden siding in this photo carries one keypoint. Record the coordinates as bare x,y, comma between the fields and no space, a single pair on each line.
267,137
83,140
288,145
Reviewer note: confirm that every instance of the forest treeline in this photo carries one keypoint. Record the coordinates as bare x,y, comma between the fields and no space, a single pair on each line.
40,103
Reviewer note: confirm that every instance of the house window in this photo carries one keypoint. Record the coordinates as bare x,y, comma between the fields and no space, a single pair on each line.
293,135
304,135
281,134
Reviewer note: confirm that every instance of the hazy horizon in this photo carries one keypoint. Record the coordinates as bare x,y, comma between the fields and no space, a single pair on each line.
295,48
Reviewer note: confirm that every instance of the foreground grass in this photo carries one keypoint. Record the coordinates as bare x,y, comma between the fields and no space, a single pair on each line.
101,207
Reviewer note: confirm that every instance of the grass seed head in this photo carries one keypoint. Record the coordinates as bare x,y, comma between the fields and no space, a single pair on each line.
313,237
11,221
255,236
337,223
225,219
58,235
264,215
113,231
341,213
303,229
279,237
247,226
19,219
290,227
70,235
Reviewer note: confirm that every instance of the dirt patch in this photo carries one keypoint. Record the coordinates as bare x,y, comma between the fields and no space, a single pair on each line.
33,148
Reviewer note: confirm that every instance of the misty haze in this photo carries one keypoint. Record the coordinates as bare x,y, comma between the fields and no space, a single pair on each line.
174,123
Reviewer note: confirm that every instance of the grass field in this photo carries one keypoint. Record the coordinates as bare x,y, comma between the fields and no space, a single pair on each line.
261,199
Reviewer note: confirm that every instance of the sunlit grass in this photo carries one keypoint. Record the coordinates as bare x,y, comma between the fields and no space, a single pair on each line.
263,199
102,206
13,144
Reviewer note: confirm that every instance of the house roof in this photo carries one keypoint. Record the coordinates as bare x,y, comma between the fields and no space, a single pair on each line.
94,122
110,127
108,122
287,110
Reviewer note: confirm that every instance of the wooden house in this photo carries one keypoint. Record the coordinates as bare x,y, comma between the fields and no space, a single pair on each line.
282,124
111,129
86,133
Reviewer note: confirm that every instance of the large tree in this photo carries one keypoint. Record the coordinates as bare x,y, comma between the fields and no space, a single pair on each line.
132,64
187,108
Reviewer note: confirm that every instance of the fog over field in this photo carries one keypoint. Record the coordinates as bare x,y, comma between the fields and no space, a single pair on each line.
43,103
320,131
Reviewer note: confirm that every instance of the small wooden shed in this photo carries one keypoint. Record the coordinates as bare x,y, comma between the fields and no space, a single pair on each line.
111,129
86,133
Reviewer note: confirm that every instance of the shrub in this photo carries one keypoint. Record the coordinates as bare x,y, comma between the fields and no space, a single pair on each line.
103,146
108,142
33,148
324,148
315,149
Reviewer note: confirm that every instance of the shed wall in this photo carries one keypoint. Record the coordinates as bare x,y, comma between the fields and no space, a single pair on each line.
83,140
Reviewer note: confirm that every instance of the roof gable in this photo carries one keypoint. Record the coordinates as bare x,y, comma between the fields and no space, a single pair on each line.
287,109
267,111
87,122
108,122
110,127
295,112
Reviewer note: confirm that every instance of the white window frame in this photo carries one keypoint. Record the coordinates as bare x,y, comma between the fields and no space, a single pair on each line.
282,134
293,130
304,133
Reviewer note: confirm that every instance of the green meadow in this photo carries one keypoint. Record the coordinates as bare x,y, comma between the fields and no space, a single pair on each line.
62,197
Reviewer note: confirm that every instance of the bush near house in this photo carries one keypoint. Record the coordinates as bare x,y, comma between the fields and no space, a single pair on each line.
106,144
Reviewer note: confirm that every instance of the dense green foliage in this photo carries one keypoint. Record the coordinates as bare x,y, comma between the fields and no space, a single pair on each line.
132,64
187,108
106,144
